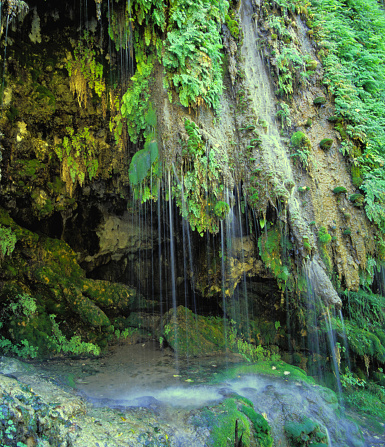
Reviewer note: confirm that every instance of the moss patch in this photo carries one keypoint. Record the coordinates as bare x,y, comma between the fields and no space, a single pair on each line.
192,335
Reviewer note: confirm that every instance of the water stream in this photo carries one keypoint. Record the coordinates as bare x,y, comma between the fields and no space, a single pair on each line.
138,376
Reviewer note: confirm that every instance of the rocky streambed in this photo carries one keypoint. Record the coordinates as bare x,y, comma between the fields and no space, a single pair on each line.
138,395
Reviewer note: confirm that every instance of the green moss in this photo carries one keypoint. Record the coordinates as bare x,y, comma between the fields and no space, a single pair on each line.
233,26
300,140
59,286
261,426
339,190
270,249
311,65
357,179
357,199
323,236
305,432
319,100
269,368
326,144
193,335
335,119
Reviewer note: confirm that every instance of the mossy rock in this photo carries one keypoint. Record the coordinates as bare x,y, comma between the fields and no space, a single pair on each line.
326,144
356,176
357,199
300,140
234,414
311,65
115,298
339,190
308,122
193,335
334,119
319,101
59,286
304,432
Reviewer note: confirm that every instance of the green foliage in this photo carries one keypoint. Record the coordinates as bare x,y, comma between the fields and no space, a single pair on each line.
22,349
135,101
85,69
145,170
199,193
270,250
192,57
339,190
78,155
291,66
305,432
7,241
301,144
348,380
353,38
74,345
142,162
23,305
284,114
248,350
323,236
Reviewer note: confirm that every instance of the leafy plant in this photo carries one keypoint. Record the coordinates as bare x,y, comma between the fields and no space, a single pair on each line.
7,241
78,155
135,101
199,192
74,345
192,56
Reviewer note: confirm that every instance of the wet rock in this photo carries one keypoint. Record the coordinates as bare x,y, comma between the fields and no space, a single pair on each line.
193,335
321,284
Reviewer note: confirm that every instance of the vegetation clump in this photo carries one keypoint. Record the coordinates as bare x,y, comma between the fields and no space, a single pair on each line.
200,191
357,199
300,140
339,190
319,101
323,236
326,144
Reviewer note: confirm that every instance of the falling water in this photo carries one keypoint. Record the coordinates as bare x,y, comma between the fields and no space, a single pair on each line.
5,59
332,346
345,340
172,261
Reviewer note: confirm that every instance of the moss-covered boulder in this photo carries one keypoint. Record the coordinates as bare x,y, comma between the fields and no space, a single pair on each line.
192,335
235,422
42,278
300,140
304,431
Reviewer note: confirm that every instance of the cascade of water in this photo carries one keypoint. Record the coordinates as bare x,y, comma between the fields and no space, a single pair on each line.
223,283
345,340
5,59
321,343
172,261
334,355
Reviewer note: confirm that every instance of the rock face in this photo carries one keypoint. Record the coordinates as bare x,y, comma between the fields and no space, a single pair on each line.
321,285
119,181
